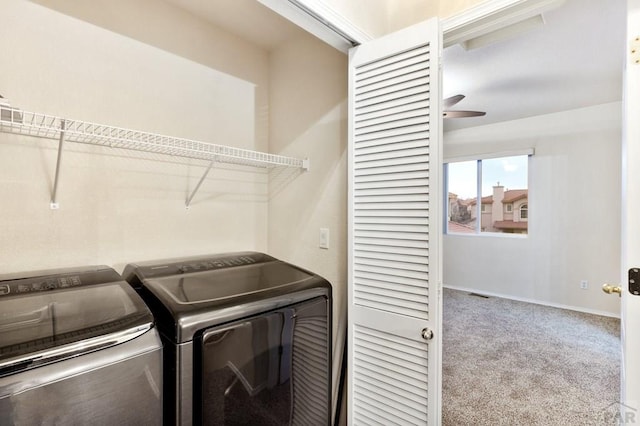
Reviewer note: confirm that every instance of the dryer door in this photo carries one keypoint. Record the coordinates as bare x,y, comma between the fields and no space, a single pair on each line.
271,369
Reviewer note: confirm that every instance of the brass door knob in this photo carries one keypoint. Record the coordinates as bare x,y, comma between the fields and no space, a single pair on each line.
610,289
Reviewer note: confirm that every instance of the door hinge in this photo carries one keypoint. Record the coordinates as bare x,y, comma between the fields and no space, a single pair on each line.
634,281
635,50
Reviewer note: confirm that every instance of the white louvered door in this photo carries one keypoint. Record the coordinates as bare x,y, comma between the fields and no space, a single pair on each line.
395,222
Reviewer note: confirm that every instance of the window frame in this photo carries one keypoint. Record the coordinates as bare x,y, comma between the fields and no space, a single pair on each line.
479,231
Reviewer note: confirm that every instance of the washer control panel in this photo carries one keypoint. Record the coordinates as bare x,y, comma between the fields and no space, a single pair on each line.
61,281
42,284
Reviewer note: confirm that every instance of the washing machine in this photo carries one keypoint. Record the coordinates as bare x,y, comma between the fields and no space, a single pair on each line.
77,347
247,339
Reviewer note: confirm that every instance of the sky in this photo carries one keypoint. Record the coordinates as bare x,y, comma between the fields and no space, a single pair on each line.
511,172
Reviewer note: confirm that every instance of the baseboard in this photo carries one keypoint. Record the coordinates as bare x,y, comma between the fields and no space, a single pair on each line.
534,301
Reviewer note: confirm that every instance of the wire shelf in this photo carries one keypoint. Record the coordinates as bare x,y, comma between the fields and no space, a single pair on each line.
21,122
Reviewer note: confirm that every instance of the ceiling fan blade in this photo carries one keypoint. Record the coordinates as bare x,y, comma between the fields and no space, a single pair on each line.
451,101
462,114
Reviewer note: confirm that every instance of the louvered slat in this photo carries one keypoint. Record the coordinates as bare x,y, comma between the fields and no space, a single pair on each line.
401,133
408,102
380,381
408,238
386,288
310,363
390,117
394,193
384,67
388,147
392,90
365,247
391,279
401,220
393,227
406,361
392,152
389,177
407,105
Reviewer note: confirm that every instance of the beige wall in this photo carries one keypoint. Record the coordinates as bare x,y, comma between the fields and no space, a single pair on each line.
403,13
180,76
308,118
380,17
174,30
115,209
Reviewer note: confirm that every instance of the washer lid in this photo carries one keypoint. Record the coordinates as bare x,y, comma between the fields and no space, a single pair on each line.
193,293
217,285
49,317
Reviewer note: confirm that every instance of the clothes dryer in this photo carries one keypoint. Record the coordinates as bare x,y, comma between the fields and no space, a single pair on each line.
247,339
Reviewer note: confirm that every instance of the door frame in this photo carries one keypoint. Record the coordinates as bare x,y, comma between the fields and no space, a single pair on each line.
630,305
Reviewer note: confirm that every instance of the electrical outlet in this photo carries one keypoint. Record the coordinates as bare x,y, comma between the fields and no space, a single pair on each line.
584,284
324,238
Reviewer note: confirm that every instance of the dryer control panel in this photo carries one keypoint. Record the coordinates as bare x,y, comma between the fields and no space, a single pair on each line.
134,272
216,264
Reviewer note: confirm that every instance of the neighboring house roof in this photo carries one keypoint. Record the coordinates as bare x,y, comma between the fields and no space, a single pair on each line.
509,224
509,196
485,200
460,228
515,195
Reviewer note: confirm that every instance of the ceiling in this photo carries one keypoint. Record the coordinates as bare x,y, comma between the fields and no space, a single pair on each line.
574,60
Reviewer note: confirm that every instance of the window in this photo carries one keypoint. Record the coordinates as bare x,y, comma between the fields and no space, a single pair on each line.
484,193
462,205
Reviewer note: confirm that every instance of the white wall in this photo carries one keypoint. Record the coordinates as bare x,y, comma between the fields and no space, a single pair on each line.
574,212
308,93
115,209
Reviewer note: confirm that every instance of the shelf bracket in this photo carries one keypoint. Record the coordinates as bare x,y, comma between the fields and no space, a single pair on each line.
193,193
54,205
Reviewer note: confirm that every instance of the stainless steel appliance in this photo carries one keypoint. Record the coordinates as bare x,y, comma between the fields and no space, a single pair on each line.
77,347
246,336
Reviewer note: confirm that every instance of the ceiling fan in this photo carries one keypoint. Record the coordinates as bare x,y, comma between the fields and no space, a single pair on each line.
451,101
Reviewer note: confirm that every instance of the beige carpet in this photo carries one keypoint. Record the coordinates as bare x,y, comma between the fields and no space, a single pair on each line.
515,363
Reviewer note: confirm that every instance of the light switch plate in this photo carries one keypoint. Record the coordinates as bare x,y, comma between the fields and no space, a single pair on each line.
324,238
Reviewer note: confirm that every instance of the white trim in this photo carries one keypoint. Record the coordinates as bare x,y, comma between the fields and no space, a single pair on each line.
490,16
490,155
336,19
322,30
535,302
307,23
487,234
